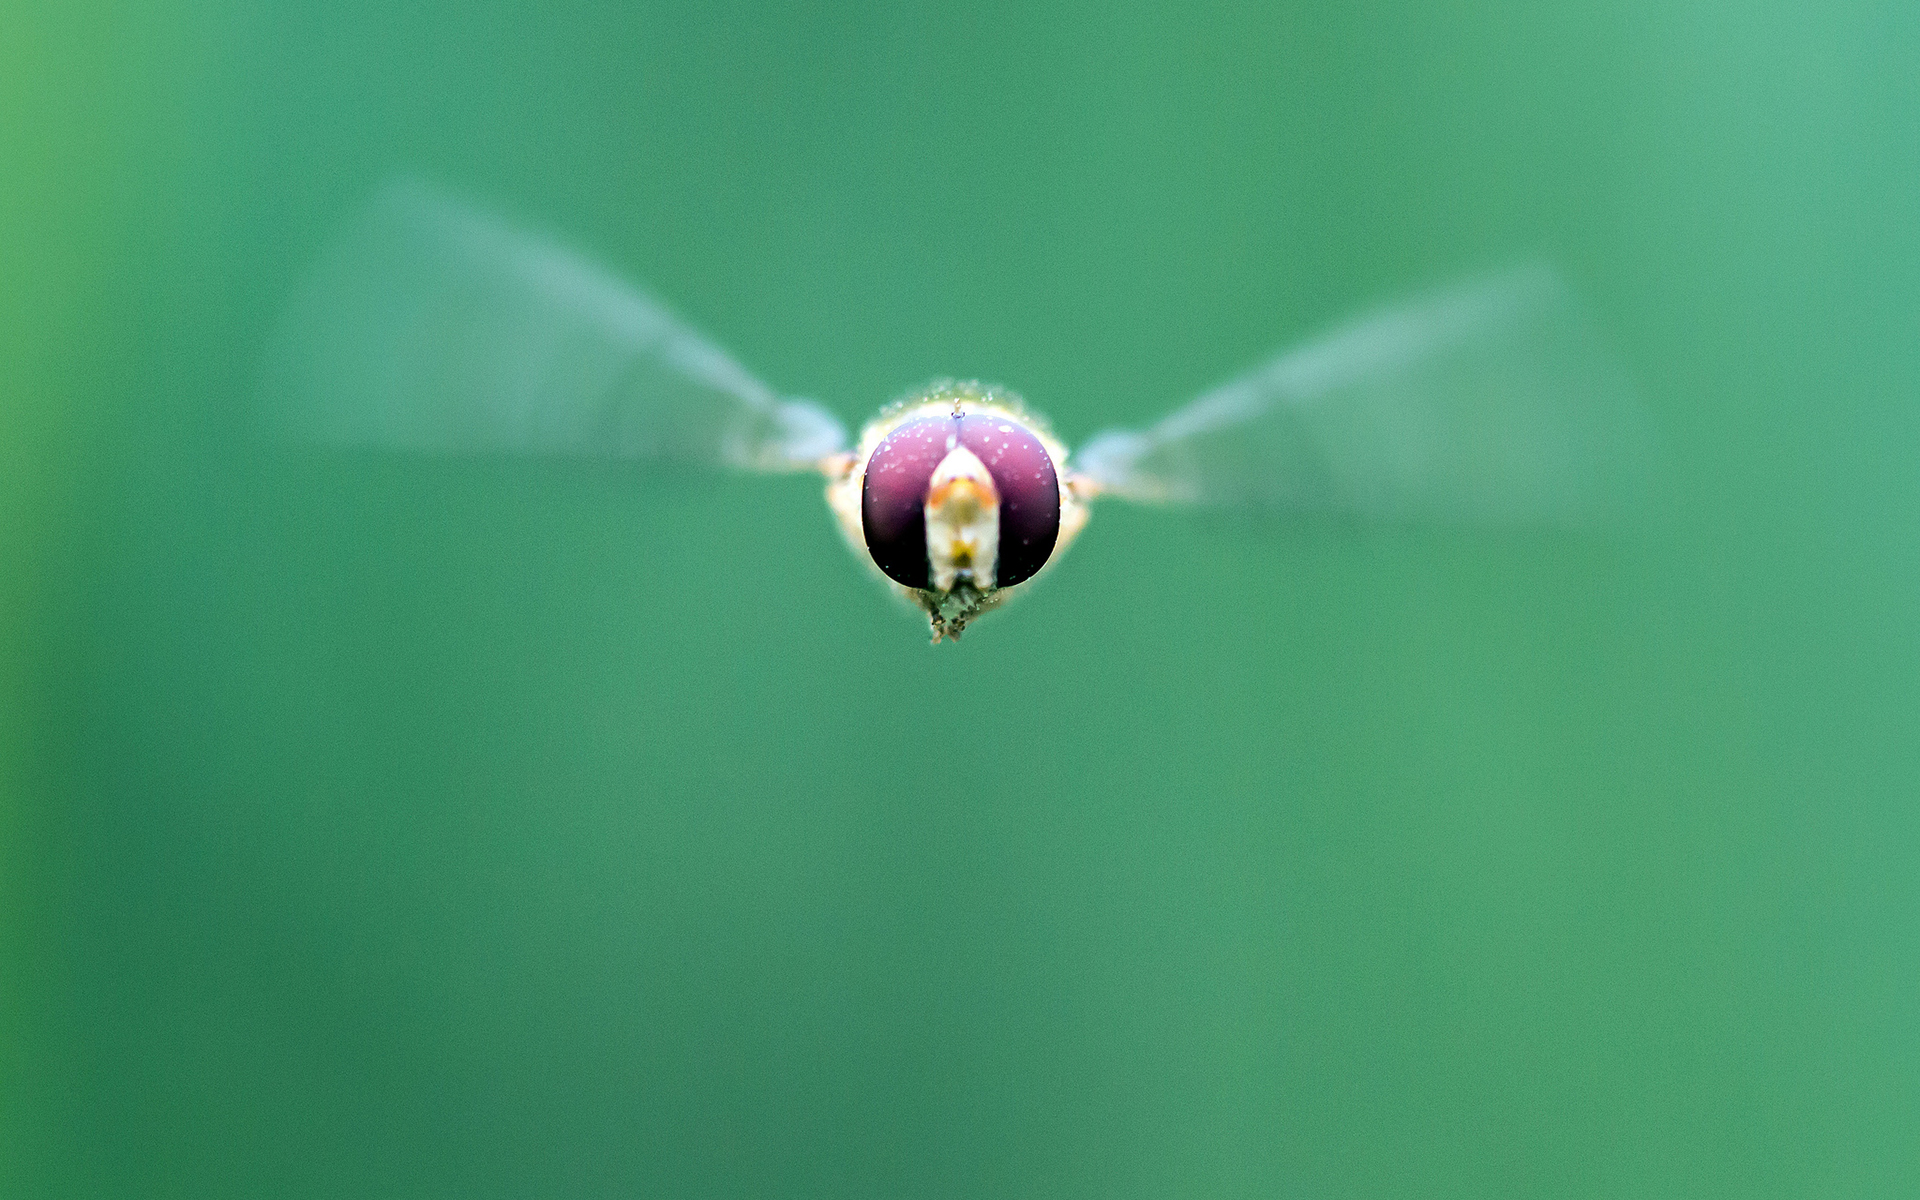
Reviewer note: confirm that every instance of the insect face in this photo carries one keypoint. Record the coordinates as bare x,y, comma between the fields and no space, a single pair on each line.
970,497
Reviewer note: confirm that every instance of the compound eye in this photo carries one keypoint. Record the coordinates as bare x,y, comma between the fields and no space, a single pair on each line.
893,497
1029,489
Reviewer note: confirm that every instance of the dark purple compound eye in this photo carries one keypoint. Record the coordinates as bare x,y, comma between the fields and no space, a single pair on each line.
1029,493
894,496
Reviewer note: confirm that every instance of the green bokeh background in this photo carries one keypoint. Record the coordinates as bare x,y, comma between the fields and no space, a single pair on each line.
397,829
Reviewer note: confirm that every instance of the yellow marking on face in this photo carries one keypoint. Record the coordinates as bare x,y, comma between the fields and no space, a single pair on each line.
962,498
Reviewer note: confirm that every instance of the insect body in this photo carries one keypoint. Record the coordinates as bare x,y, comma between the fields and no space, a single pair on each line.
433,326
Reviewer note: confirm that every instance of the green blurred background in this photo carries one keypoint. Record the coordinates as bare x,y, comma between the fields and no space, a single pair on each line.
394,829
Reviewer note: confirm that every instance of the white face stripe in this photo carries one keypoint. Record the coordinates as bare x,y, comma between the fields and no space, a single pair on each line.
963,521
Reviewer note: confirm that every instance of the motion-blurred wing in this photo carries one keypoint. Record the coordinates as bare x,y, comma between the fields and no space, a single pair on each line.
431,325
1487,401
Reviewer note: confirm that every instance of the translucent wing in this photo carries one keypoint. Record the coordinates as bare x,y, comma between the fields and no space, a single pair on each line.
431,325
1487,401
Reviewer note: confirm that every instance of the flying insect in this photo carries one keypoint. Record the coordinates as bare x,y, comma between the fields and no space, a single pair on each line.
434,325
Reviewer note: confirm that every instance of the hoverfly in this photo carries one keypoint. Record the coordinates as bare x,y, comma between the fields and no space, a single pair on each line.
433,325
